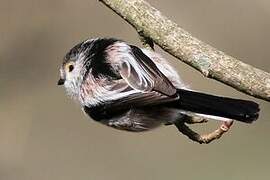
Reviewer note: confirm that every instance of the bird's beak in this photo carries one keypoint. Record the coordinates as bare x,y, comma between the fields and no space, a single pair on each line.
61,81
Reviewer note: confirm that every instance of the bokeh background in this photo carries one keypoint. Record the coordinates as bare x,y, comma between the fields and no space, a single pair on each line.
45,136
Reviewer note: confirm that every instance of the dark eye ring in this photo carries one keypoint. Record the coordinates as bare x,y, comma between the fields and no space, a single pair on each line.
70,68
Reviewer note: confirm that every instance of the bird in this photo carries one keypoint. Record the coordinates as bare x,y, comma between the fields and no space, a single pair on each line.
135,89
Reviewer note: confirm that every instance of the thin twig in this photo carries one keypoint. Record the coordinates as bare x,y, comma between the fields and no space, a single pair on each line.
206,138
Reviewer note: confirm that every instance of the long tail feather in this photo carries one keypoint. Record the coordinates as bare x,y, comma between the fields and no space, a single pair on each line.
241,110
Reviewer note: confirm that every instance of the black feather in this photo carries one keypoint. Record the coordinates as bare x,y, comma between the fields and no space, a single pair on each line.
97,58
241,110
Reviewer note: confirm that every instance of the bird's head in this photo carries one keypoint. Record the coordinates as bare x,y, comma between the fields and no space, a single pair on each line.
75,65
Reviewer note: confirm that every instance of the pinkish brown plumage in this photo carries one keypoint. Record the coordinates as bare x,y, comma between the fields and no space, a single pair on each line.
129,88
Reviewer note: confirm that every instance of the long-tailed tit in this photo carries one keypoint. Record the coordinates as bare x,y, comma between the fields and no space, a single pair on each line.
129,88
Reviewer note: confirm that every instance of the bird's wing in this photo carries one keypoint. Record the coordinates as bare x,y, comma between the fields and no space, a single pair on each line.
142,82
141,73
127,96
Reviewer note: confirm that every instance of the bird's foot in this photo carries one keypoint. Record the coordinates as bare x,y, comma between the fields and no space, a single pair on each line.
147,42
195,120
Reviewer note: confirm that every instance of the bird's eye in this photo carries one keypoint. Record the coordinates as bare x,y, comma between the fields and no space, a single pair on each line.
70,68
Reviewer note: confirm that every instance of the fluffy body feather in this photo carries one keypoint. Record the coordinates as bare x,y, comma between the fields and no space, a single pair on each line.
135,89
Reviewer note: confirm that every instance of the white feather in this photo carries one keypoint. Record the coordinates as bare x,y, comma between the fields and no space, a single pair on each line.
211,117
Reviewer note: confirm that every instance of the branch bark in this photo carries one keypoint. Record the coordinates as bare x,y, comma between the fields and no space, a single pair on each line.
211,62
206,138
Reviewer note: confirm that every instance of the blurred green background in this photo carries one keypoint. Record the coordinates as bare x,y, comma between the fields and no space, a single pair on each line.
45,136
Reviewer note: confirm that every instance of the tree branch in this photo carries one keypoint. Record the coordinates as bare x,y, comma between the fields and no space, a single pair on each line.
211,62
205,138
